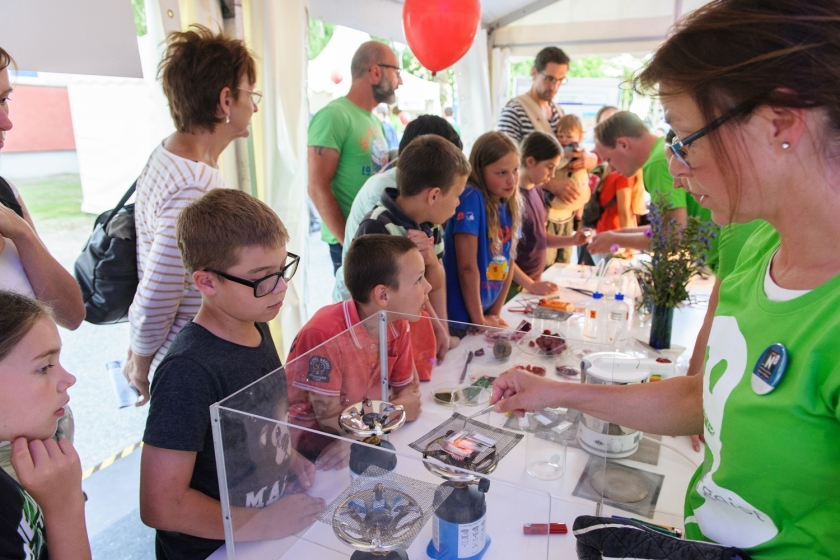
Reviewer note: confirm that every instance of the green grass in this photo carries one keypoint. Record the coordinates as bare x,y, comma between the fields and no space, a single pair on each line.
57,197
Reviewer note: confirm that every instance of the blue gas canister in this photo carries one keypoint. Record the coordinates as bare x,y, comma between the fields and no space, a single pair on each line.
459,525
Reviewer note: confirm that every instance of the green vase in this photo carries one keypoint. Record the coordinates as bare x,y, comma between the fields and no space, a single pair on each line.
660,327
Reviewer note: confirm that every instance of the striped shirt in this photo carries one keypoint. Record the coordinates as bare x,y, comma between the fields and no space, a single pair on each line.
166,297
514,121
388,218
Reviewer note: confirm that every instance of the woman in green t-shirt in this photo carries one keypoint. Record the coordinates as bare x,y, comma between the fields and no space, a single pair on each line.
752,90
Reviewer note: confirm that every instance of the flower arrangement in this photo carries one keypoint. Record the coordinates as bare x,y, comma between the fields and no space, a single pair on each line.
676,255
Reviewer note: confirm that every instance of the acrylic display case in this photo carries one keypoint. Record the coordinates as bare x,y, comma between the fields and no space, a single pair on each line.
322,437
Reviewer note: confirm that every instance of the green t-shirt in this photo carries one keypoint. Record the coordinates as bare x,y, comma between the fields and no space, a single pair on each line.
659,181
360,140
772,469
731,240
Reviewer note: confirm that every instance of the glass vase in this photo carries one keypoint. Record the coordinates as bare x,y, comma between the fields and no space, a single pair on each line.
660,327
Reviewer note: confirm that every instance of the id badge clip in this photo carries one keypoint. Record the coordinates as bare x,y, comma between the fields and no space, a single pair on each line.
769,369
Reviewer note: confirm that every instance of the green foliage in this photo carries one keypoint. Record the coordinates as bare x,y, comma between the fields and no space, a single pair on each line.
139,8
676,255
521,68
320,33
53,197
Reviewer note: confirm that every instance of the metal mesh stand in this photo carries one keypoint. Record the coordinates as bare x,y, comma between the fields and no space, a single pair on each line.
431,443
382,511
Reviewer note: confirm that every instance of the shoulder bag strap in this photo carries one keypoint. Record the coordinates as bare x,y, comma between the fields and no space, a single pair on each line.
535,114
121,203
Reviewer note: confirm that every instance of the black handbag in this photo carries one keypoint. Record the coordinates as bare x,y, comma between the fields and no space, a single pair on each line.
107,268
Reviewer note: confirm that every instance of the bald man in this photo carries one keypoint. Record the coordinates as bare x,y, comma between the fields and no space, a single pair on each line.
347,142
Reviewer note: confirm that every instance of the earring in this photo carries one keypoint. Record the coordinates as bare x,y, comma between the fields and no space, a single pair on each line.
227,119
785,145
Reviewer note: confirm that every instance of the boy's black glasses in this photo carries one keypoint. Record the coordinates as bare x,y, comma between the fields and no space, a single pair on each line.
678,148
266,284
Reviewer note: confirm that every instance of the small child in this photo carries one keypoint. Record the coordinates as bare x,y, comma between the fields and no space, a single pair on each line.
540,155
561,213
383,273
47,509
431,175
234,246
479,239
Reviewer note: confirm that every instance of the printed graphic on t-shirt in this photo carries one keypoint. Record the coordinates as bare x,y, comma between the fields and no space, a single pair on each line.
724,516
497,269
31,528
319,369
378,151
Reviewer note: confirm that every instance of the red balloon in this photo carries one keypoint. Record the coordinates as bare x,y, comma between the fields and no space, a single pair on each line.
440,32
337,75
405,118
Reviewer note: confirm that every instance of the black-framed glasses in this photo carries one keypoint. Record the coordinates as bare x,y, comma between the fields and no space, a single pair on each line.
265,285
552,81
256,96
397,68
678,148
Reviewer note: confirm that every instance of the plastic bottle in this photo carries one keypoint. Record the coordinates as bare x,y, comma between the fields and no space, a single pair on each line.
617,320
593,323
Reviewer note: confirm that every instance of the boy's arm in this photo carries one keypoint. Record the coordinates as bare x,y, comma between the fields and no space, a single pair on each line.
580,237
168,503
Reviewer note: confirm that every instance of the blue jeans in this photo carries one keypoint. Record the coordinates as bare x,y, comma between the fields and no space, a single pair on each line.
335,255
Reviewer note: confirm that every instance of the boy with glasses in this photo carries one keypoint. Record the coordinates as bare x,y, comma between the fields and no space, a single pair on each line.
234,246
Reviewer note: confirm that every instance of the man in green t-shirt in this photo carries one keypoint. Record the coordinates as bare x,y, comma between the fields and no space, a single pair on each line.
626,144
347,143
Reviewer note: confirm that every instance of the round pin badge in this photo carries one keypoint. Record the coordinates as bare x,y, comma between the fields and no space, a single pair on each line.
769,369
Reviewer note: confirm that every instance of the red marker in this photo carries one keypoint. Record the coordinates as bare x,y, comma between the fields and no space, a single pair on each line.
542,529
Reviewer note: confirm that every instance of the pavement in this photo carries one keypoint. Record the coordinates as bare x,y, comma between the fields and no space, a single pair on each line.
105,434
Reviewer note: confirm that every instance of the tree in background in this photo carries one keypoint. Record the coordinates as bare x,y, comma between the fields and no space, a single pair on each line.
139,9
320,33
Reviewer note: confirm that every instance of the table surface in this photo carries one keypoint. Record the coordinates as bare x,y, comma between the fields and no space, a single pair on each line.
548,498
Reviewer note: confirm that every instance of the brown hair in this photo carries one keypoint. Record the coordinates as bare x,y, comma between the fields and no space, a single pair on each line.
430,161
622,124
569,123
603,110
197,66
19,315
549,55
6,60
489,148
729,53
211,230
372,260
541,146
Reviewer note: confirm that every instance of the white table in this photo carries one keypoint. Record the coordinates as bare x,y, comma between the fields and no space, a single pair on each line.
502,499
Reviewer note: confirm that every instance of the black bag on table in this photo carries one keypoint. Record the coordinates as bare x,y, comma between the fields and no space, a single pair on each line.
607,537
107,268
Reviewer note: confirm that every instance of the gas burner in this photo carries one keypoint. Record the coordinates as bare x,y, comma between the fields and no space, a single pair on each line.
381,513
376,519
457,449
372,418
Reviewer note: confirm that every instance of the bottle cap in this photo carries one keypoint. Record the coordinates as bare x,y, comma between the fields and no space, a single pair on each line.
619,296
597,295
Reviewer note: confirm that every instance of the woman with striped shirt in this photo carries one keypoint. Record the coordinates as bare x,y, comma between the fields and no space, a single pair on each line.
209,81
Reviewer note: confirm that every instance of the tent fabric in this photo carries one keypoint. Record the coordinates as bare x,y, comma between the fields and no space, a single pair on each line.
276,30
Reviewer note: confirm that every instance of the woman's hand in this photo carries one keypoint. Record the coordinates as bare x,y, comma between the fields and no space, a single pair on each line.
519,391
543,288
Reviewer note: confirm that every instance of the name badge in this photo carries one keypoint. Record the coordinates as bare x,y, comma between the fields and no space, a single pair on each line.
769,369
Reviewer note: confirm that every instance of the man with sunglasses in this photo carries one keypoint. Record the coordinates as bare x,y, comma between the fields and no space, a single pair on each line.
347,141
536,110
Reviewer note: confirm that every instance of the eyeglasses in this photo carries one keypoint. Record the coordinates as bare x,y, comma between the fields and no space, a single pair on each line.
266,284
397,68
552,81
256,96
678,148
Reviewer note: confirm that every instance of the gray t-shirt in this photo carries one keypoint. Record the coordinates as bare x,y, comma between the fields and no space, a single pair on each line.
199,370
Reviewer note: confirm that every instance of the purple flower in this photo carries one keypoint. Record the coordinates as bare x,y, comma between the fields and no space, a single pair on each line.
648,233
614,248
